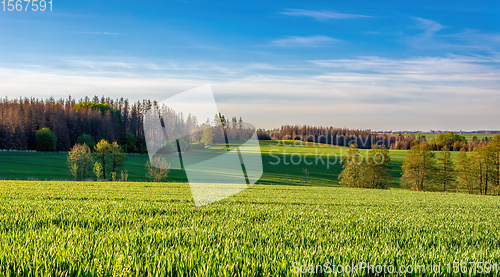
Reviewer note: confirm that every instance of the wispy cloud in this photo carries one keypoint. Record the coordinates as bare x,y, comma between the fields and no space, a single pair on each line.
322,15
457,69
472,36
112,66
428,26
262,66
468,40
307,41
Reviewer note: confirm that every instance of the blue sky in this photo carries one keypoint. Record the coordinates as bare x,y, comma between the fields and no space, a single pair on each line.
391,65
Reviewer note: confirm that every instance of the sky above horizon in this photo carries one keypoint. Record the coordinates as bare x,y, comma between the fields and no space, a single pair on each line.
400,65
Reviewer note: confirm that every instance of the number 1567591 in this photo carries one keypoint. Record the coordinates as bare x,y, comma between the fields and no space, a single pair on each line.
26,5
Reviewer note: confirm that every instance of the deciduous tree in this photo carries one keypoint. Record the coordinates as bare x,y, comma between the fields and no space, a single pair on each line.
352,175
111,157
418,168
86,139
377,165
118,158
465,171
103,155
206,137
98,170
494,145
483,168
45,140
445,169
80,161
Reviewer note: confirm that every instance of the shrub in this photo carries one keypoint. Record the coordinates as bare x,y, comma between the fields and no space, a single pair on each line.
198,145
157,169
86,139
124,176
45,140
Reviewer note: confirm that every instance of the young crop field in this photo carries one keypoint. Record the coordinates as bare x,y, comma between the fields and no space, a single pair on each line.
65,228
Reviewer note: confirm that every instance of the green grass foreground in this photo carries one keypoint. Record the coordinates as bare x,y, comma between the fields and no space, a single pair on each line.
62,228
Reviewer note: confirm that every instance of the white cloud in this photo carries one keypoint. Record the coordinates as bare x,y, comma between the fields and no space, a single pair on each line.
321,15
294,41
456,92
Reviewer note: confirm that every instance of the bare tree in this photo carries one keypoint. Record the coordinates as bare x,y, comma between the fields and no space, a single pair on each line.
157,169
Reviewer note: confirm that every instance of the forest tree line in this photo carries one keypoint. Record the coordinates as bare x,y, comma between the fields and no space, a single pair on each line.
365,139
96,119
474,172
122,121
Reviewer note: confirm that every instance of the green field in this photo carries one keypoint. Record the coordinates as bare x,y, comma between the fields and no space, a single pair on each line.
68,228
294,157
57,228
467,136
320,174
52,166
